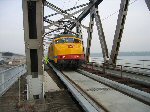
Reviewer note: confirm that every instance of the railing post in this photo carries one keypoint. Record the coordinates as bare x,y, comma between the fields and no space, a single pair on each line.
121,70
19,89
103,68
3,80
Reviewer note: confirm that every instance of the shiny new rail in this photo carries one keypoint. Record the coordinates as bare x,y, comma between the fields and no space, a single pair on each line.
93,95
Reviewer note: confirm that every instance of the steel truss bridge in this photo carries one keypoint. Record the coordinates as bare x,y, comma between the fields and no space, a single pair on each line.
35,33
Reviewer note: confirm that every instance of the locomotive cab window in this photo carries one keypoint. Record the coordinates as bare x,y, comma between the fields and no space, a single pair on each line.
59,41
67,40
76,41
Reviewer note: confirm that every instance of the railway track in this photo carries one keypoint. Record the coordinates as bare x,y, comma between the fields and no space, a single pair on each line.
95,96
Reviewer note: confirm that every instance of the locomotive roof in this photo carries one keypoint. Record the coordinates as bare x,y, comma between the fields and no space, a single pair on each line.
65,35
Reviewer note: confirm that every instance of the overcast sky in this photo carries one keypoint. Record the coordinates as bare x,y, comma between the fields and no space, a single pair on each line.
136,36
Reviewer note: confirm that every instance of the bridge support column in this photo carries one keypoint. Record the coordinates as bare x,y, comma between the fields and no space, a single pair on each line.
33,31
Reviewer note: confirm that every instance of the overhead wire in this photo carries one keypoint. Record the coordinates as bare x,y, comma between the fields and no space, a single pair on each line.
117,11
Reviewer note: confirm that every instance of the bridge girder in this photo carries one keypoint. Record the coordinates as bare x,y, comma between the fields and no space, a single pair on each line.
86,11
66,16
119,31
148,4
94,14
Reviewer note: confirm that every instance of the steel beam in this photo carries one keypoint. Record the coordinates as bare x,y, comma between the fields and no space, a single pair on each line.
86,11
33,31
70,9
119,31
94,14
89,31
148,4
101,35
68,16
79,30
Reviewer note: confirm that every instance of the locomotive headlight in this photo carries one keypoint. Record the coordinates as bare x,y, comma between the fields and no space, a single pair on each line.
70,46
63,56
77,56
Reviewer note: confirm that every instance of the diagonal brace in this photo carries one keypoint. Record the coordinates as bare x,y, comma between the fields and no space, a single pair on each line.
148,4
68,17
101,35
119,31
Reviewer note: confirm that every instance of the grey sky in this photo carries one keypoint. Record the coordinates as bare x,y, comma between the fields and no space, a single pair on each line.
135,38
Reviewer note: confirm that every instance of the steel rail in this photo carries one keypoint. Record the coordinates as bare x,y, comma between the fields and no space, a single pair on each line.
138,94
87,96
87,104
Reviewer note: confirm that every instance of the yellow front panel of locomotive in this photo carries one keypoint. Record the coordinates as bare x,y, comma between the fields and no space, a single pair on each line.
67,48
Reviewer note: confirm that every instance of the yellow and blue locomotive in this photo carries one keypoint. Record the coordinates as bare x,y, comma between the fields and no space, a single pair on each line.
66,50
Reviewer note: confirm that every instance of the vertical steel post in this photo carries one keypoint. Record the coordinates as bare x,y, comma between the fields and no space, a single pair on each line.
119,31
79,30
90,30
104,68
19,88
33,31
121,70
3,81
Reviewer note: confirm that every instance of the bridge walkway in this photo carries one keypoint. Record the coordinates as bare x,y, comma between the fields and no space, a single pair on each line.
57,98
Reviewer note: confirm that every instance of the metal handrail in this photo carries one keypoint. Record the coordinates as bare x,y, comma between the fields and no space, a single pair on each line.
9,76
11,68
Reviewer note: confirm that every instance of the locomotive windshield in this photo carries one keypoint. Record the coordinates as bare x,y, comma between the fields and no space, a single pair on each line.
67,40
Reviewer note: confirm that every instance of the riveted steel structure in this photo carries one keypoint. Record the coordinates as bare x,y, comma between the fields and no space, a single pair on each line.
94,14
119,30
34,32
148,4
